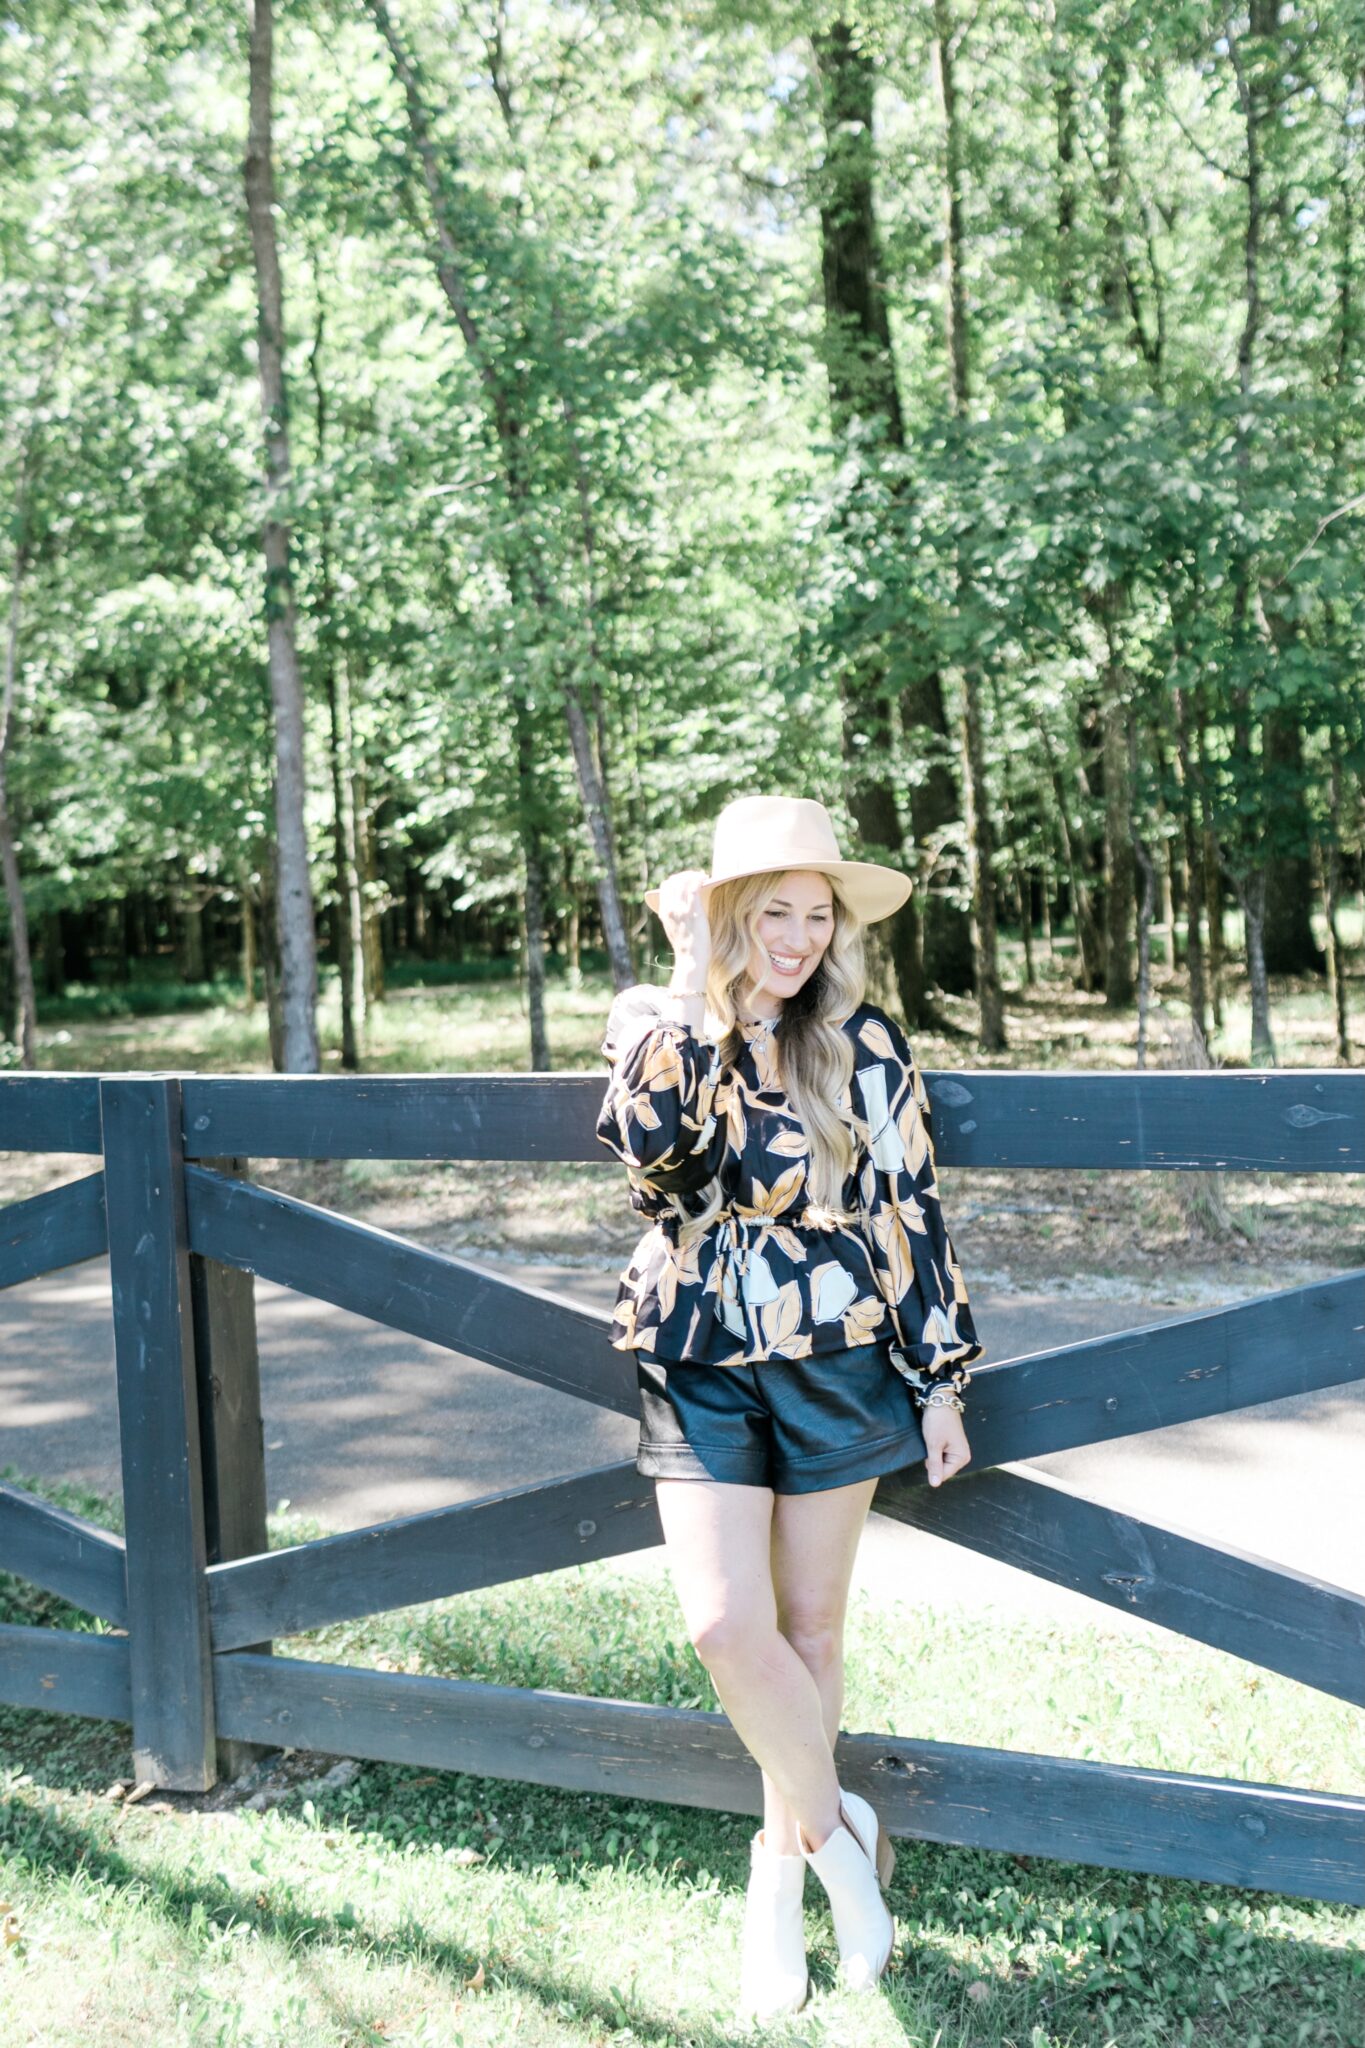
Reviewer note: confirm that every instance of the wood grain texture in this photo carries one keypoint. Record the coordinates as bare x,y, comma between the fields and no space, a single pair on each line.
57,1228
523,1329
63,1673
228,1367
1263,1612
163,1494
1294,1120
231,1436
1306,1843
63,1553
607,1512
1213,1363
49,1113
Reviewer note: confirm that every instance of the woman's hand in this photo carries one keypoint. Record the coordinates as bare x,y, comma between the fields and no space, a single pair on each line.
945,1441
682,911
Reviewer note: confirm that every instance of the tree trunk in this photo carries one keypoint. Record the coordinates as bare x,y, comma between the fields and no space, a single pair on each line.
248,945
1022,887
270,957
1290,947
1194,871
1120,842
1215,896
1329,854
21,963
534,895
1250,889
294,897
1243,855
1087,944
1089,836
346,883
1167,870
928,938
1147,904
371,922
980,828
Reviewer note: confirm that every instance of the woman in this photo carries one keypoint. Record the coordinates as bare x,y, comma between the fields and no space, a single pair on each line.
798,1320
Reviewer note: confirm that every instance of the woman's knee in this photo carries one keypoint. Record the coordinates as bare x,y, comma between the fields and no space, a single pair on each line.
729,1635
818,1640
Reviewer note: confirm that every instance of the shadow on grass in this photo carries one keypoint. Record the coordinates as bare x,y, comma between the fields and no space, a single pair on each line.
993,1944
60,1845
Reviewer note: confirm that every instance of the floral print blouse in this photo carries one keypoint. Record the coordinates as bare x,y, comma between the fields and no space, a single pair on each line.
769,1279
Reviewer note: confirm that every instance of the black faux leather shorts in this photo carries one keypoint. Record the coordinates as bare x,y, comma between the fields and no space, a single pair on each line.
794,1424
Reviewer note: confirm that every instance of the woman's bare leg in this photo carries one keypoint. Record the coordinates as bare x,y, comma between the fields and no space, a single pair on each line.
814,1544
719,1540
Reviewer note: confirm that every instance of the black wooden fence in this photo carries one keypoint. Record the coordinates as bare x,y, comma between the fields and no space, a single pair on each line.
198,1599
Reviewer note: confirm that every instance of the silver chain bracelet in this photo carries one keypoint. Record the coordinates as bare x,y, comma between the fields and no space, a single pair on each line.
941,1397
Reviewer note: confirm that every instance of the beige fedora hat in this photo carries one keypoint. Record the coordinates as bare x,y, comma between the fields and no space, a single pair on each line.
770,835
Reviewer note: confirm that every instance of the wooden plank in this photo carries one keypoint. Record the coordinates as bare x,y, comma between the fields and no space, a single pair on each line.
1295,1120
163,1506
373,1273
58,1228
1270,1615
62,1553
63,1673
1275,1345
395,1116
540,1527
231,1435
232,1439
1310,1844
49,1113
1292,1120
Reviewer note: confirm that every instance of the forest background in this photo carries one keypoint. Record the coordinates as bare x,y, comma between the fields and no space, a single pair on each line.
447,455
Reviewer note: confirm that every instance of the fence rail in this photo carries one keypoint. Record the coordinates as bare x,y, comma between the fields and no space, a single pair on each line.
201,1599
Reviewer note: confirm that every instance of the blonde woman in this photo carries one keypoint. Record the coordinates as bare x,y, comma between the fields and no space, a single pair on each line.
798,1319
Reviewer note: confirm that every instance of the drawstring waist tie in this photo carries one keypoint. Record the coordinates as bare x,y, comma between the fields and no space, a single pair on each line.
739,1233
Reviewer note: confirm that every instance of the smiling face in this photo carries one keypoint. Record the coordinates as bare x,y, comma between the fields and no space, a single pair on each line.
795,925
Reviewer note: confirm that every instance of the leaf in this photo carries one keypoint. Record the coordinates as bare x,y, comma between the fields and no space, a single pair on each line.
739,1129
832,1288
900,1265
780,1320
784,1191
914,1136
663,1069
644,1113
876,1038
863,1320
667,1288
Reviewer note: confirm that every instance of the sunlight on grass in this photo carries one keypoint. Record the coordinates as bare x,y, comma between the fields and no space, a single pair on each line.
374,1903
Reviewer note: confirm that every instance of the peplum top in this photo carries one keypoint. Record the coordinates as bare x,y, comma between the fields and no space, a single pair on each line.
774,1276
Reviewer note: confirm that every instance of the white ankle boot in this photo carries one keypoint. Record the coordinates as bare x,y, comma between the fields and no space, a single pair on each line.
853,1865
773,1977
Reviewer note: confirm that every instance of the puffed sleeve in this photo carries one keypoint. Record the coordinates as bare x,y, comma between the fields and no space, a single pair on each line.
658,1114
916,1266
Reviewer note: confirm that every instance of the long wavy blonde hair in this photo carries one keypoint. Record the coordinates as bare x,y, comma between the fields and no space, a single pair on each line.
814,1055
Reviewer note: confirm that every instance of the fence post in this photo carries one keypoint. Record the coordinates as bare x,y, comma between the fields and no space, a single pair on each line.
163,1500
231,1437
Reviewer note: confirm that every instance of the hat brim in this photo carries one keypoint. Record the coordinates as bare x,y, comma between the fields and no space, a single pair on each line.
872,891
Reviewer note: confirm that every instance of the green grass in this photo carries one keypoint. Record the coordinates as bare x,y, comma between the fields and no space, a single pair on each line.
410,1906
